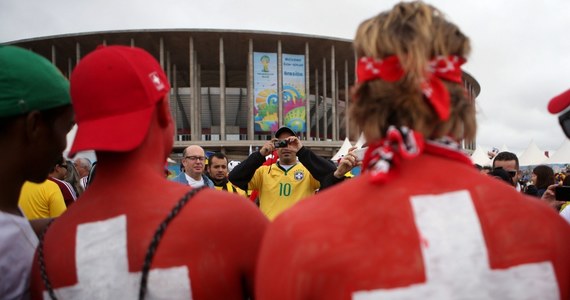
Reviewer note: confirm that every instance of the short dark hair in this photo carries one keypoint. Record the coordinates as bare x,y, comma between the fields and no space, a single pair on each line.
505,156
59,162
219,155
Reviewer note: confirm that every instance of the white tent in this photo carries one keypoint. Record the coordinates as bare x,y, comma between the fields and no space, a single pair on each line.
480,157
343,150
361,141
532,155
562,155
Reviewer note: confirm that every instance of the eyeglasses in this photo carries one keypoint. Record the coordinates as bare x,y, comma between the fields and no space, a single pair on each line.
512,173
195,158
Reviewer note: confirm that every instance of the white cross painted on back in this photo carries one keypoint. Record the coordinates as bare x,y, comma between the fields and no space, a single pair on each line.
103,268
456,260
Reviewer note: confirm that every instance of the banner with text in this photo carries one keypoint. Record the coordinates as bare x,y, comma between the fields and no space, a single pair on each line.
294,92
265,90
266,105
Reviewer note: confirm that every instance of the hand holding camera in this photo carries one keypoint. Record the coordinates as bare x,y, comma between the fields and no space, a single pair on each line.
562,193
280,143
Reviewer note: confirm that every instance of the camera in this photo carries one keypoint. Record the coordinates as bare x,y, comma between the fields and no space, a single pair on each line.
280,144
562,193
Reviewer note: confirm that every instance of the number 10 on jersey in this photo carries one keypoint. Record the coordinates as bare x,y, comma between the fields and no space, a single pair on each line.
284,189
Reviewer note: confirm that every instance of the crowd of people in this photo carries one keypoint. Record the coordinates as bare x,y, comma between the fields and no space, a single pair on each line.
129,232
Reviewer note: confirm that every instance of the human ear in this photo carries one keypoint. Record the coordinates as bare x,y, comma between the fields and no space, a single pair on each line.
163,112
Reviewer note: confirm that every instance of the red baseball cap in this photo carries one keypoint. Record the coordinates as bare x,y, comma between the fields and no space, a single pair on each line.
559,103
114,91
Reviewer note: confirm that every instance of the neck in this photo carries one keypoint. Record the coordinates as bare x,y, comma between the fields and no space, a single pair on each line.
146,161
10,188
195,176
219,182
12,174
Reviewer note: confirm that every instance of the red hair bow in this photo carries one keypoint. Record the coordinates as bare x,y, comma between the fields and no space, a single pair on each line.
441,67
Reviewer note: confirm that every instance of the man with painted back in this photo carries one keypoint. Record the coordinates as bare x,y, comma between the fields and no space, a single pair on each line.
452,234
141,235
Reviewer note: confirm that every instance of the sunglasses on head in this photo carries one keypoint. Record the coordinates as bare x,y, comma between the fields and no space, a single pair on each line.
564,120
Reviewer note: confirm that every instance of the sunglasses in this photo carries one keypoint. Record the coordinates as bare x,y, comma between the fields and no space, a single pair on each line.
564,120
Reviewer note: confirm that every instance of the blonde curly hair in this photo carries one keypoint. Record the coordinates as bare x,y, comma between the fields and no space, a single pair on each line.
415,32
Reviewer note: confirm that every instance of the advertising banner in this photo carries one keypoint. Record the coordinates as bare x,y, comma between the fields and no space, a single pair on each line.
294,96
266,105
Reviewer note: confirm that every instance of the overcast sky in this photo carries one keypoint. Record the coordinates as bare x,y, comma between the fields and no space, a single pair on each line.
520,48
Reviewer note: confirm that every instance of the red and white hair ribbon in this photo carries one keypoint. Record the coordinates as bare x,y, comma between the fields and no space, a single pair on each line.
441,67
384,156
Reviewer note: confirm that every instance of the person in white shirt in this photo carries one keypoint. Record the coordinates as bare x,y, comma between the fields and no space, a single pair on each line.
194,164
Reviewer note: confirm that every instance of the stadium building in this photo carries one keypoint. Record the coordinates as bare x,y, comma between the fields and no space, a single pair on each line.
232,89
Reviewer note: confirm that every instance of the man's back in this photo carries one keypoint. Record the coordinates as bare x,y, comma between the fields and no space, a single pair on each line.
425,235
97,249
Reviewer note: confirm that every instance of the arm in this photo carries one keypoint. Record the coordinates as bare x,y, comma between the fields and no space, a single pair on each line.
550,198
346,164
241,175
317,166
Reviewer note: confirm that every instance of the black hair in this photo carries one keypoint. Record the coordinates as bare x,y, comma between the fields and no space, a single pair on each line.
59,162
505,156
544,176
219,155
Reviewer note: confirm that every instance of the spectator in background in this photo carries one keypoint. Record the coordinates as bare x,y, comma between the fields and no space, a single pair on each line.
286,182
217,170
510,163
41,200
83,167
560,105
57,175
35,117
420,222
542,177
119,233
72,177
193,168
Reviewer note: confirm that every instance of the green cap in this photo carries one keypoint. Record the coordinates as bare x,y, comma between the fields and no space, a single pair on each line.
29,82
